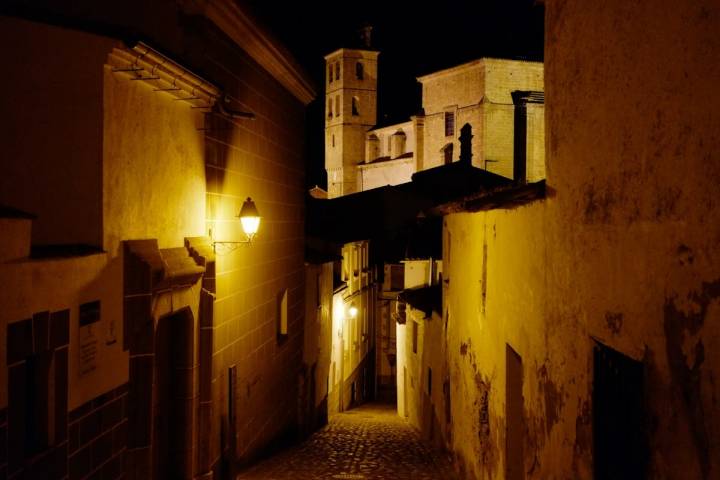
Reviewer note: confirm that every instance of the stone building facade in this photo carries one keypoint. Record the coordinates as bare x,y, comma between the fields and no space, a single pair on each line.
350,111
144,351
500,99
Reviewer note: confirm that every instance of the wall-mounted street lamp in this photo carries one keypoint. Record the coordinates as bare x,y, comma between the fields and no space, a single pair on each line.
353,311
250,221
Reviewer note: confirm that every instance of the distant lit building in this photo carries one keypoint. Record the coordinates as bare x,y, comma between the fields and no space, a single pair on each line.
502,101
352,371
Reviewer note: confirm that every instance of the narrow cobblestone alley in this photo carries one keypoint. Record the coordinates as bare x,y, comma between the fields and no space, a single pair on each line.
369,442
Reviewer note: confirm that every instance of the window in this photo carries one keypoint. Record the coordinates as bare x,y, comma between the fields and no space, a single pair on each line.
355,261
329,107
330,73
359,71
449,124
337,106
414,336
337,71
333,140
232,390
283,313
355,106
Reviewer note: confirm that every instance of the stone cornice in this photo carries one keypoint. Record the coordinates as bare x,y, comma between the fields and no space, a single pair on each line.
481,62
264,49
353,53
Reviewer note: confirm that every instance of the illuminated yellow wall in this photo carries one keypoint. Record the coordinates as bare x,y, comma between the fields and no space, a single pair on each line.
154,165
262,159
352,337
423,404
623,250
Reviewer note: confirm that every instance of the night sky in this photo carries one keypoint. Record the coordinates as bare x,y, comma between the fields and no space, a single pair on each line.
414,38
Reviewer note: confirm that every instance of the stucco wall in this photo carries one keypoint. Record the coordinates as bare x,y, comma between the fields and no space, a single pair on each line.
154,166
425,367
623,251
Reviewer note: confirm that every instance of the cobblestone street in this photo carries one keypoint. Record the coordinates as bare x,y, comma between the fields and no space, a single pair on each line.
370,442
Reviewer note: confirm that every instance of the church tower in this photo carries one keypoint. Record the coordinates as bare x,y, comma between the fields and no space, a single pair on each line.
350,111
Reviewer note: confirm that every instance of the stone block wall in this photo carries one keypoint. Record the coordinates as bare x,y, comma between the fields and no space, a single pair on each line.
37,359
255,369
97,437
3,443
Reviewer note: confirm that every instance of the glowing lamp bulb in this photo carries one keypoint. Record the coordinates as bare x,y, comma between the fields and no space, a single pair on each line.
353,311
249,218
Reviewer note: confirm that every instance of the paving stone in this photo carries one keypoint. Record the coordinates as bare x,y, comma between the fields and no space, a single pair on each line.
369,442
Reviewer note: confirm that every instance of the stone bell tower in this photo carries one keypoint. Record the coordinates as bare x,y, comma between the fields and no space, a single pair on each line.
350,111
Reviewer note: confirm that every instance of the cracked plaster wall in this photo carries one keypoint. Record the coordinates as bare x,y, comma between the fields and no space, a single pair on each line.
623,250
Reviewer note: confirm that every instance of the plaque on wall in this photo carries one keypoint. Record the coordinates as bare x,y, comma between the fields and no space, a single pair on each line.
88,318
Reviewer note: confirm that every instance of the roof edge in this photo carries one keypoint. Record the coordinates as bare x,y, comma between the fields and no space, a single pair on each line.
364,53
261,46
471,64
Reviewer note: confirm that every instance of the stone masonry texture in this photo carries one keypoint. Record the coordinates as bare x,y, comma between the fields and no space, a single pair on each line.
369,442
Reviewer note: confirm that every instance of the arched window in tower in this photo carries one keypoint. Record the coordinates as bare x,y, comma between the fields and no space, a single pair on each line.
337,71
359,71
337,106
355,106
329,107
330,73
449,124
